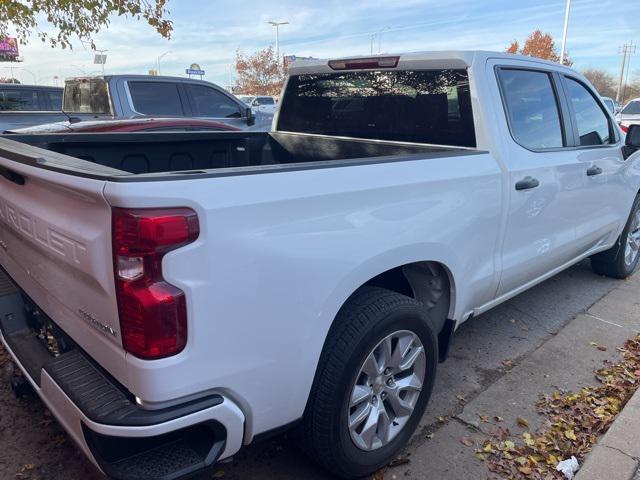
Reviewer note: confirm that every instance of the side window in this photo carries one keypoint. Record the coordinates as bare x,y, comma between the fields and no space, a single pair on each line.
19,99
156,98
532,108
208,102
55,100
592,122
265,101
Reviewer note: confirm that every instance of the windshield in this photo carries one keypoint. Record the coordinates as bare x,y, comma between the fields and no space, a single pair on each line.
632,108
86,95
429,106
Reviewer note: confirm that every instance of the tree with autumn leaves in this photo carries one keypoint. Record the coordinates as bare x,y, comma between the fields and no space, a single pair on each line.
540,45
77,18
259,73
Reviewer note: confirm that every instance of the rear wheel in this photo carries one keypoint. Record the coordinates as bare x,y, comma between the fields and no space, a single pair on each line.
622,260
373,383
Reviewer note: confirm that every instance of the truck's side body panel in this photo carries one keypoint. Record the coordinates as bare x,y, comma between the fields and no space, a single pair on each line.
279,253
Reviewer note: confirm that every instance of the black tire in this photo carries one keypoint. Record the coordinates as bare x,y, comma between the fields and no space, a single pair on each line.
368,316
612,262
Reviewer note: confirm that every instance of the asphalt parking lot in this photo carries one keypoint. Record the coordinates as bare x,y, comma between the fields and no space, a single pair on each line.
34,446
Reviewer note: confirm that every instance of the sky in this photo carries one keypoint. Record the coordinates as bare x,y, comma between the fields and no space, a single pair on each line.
209,32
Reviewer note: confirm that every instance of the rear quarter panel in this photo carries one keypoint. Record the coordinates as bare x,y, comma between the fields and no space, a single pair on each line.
279,253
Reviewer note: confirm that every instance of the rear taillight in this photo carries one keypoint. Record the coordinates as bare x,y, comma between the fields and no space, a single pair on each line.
624,128
153,313
364,63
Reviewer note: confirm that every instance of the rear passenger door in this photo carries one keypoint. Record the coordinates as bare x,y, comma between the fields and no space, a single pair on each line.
157,98
545,179
605,201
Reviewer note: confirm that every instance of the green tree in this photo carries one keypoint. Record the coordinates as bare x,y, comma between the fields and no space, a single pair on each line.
81,18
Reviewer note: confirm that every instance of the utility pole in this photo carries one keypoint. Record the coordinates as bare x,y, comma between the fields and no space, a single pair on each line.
277,25
626,50
564,31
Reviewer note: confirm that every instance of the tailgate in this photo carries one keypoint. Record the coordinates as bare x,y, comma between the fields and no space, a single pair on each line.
55,243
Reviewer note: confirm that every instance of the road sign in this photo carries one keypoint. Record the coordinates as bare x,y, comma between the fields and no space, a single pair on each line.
191,71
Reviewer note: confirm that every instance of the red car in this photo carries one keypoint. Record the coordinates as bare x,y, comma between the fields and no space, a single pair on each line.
170,124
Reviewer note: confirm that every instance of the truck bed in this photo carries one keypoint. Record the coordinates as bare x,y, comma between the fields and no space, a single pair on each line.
130,155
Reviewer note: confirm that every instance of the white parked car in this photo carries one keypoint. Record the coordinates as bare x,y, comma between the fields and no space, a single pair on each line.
630,114
260,104
200,290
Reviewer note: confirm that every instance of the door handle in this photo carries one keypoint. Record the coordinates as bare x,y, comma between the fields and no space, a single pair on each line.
527,183
594,171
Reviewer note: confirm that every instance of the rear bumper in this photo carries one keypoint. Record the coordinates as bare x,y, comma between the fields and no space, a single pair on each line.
122,439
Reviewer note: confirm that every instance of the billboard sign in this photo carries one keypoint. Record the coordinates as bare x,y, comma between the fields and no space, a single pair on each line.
8,49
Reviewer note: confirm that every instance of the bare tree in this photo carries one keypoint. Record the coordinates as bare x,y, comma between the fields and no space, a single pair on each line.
603,81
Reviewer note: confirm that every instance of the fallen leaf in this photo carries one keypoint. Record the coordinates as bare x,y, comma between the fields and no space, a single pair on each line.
379,475
602,348
522,422
593,344
487,447
525,470
509,445
466,441
507,363
498,419
570,434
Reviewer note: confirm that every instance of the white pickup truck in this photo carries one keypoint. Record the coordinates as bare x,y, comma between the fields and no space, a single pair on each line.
174,296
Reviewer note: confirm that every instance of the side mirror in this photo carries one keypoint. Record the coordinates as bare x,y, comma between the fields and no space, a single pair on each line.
632,142
251,118
255,103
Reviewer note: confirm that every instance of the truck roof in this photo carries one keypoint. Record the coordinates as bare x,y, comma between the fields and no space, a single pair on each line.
22,85
423,59
151,78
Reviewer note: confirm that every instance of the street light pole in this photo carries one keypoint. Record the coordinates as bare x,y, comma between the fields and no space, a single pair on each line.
277,25
564,32
158,61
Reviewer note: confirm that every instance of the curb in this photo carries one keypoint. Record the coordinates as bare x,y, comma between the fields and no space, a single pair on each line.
616,456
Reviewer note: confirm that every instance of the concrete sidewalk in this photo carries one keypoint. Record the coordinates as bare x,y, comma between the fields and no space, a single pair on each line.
617,454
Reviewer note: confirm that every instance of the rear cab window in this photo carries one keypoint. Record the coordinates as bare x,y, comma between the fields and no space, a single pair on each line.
86,95
425,106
